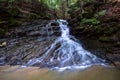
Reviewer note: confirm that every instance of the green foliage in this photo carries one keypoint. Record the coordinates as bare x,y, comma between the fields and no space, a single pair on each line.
87,1
10,1
105,39
100,13
52,3
72,2
92,21
58,3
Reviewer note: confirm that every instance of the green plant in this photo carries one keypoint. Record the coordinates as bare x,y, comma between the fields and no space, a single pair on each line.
10,1
92,21
56,4
87,1
100,13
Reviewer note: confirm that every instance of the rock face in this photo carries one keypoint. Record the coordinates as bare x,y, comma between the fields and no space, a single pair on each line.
26,41
101,38
12,15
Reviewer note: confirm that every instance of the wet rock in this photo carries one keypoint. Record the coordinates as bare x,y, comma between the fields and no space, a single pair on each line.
3,44
34,33
55,24
2,60
117,44
19,50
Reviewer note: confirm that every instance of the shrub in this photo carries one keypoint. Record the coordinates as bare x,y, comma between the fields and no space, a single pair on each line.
100,13
92,21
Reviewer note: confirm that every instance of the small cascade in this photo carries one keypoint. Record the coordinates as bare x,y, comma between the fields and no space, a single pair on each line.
65,52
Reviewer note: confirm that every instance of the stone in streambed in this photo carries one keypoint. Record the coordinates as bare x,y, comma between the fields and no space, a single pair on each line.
3,44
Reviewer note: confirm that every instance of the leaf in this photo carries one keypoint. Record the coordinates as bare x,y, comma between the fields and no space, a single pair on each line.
92,21
102,12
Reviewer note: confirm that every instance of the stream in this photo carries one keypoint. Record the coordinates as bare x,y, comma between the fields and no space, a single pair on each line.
65,52
35,73
56,56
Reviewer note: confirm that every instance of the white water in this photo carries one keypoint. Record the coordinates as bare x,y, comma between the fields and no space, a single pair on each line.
66,53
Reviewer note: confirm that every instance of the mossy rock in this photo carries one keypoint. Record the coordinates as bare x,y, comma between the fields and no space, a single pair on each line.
2,32
14,12
14,22
88,11
79,27
106,39
99,29
109,31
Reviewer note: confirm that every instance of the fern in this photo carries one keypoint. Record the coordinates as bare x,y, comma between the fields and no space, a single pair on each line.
92,21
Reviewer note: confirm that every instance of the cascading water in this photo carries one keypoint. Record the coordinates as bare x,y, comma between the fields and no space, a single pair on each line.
66,53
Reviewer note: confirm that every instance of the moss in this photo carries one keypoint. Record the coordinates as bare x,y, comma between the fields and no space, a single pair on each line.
99,29
2,31
14,12
81,26
105,39
14,22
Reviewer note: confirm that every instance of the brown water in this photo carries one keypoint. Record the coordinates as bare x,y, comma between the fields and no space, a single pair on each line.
34,73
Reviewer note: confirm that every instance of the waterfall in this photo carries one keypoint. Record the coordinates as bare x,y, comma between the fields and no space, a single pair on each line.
66,53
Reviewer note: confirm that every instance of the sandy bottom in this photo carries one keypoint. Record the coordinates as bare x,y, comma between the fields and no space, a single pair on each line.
35,73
